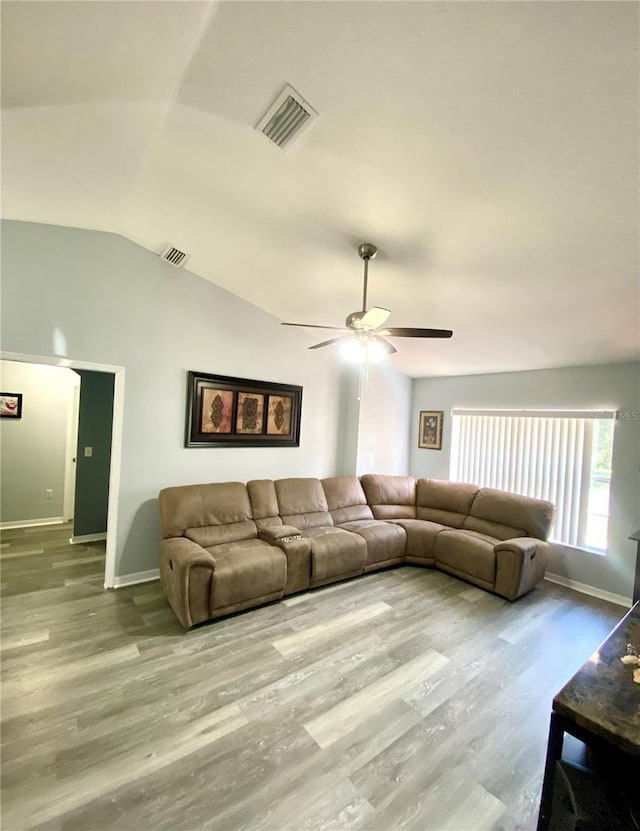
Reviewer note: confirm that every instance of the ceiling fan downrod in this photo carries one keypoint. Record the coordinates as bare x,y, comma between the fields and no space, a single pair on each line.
366,251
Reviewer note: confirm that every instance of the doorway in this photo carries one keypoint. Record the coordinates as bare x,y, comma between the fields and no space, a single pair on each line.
118,373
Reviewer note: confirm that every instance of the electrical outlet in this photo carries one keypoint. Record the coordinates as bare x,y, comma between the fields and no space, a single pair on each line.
48,494
88,452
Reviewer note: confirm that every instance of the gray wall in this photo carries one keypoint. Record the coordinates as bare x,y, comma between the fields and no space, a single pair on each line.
34,448
383,441
95,417
98,297
615,386
349,419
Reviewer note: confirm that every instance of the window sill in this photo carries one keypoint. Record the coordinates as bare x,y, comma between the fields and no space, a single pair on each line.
598,552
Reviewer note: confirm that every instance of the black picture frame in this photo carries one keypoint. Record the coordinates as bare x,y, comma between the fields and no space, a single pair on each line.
223,411
11,405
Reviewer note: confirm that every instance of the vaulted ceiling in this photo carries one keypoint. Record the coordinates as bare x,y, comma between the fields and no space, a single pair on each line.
489,150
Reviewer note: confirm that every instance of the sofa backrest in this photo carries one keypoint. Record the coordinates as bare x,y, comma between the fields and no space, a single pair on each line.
390,497
302,503
264,503
207,514
448,503
506,515
346,499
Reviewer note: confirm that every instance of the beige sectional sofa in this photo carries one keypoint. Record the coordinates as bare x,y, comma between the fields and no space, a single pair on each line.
230,546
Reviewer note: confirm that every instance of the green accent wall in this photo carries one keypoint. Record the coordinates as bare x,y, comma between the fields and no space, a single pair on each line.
92,473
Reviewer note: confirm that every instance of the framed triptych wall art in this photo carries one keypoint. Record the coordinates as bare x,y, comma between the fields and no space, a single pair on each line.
240,412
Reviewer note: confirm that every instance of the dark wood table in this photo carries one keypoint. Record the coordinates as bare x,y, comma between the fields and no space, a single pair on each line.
600,706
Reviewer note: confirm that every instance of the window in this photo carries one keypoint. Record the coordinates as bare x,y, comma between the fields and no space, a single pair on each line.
599,481
559,455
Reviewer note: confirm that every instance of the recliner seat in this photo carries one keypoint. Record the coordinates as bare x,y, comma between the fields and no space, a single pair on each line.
347,502
211,560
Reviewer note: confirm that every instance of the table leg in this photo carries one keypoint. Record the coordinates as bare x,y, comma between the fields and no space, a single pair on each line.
554,753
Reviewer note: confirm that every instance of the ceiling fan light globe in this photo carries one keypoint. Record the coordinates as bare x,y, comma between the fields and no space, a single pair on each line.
360,350
354,351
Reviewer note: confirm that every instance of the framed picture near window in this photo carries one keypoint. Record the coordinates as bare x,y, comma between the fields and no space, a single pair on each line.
430,429
239,412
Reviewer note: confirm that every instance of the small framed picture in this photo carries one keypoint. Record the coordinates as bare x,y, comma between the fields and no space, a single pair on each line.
279,415
250,415
10,405
430,429
217,411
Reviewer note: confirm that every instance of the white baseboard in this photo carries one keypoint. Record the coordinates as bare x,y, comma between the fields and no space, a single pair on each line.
87,538
137,577
32,523
584,588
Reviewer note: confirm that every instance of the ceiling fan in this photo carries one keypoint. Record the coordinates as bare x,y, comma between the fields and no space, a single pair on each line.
363,328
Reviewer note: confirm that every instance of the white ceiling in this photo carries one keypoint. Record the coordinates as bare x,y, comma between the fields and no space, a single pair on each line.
489,149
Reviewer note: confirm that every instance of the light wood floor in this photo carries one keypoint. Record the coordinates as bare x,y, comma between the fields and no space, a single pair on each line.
404,699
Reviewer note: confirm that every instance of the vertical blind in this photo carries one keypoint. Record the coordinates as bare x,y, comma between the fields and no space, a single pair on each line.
541,453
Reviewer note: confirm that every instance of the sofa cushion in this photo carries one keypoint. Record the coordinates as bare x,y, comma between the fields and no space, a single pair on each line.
245,570
390,497
467,552
346,499
493,529
302,503
335,551
197,506
447,503
421,536
264,503
534,516
385,540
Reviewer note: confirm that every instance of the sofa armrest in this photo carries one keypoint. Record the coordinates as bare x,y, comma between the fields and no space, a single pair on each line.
297,550
279,533
520,564
182,553
186,570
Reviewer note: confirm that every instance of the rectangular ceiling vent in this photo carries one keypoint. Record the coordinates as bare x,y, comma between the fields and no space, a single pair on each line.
174,256
287,118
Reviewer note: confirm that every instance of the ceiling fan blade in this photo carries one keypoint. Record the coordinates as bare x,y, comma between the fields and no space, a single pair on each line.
315,326
375,317
409,332
329,342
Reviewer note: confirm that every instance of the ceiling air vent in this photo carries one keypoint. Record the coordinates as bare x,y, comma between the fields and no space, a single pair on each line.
287,118
174,256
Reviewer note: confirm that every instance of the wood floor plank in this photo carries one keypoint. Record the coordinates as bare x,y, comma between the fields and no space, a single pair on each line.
25,639
14,555
310,636
345,716
78,561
